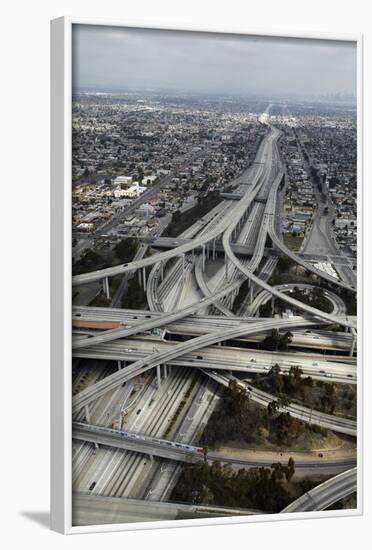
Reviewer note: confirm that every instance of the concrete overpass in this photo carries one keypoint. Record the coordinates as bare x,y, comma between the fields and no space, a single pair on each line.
325,494
187,453
337,369
311,416
110,382
195,325
93,509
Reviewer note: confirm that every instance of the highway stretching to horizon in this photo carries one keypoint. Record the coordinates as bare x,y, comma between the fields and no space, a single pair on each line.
136,424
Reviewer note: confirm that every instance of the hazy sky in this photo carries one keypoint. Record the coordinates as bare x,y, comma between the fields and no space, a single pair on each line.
122,58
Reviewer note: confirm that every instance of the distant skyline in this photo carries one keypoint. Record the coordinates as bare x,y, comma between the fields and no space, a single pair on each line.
123,59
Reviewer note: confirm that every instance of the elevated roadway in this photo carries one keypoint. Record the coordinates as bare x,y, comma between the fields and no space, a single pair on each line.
269,223
195,325
337,303
184,452
92,509
331,369
198,242
311,416
110,382
325,494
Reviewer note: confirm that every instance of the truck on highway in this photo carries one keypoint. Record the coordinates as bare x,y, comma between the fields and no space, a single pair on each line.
95,325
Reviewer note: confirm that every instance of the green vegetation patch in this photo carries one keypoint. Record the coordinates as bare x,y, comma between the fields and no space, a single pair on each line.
322,396
93,260
181,221
265,489
134,297
293,241
240,420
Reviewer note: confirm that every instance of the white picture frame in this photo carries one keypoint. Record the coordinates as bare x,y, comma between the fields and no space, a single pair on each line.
61,418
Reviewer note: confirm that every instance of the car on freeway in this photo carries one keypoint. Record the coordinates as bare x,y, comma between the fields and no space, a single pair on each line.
92,485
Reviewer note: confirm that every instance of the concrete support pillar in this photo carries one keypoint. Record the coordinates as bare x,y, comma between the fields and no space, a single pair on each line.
87,413
119,365
251,294
272,305
213,249
158,375
226,268
106,287
162,271
352,347
139,277
144,278
203,258
165,373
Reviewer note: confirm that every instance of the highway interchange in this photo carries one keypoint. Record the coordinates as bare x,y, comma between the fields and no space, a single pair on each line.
190,292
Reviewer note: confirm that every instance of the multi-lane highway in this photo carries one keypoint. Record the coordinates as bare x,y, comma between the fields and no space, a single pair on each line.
187,280
92,509
338,369
186,452
195,325
312,416
88,395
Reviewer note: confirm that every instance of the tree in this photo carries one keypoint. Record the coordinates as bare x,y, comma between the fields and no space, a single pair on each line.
276,379
272,408
126,249
271,341
176,216
284,264
290,470
295,373
285,340
140,174
286,429
90,261
205,453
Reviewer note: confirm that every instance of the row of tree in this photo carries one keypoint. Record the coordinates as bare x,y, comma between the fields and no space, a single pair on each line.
263,489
